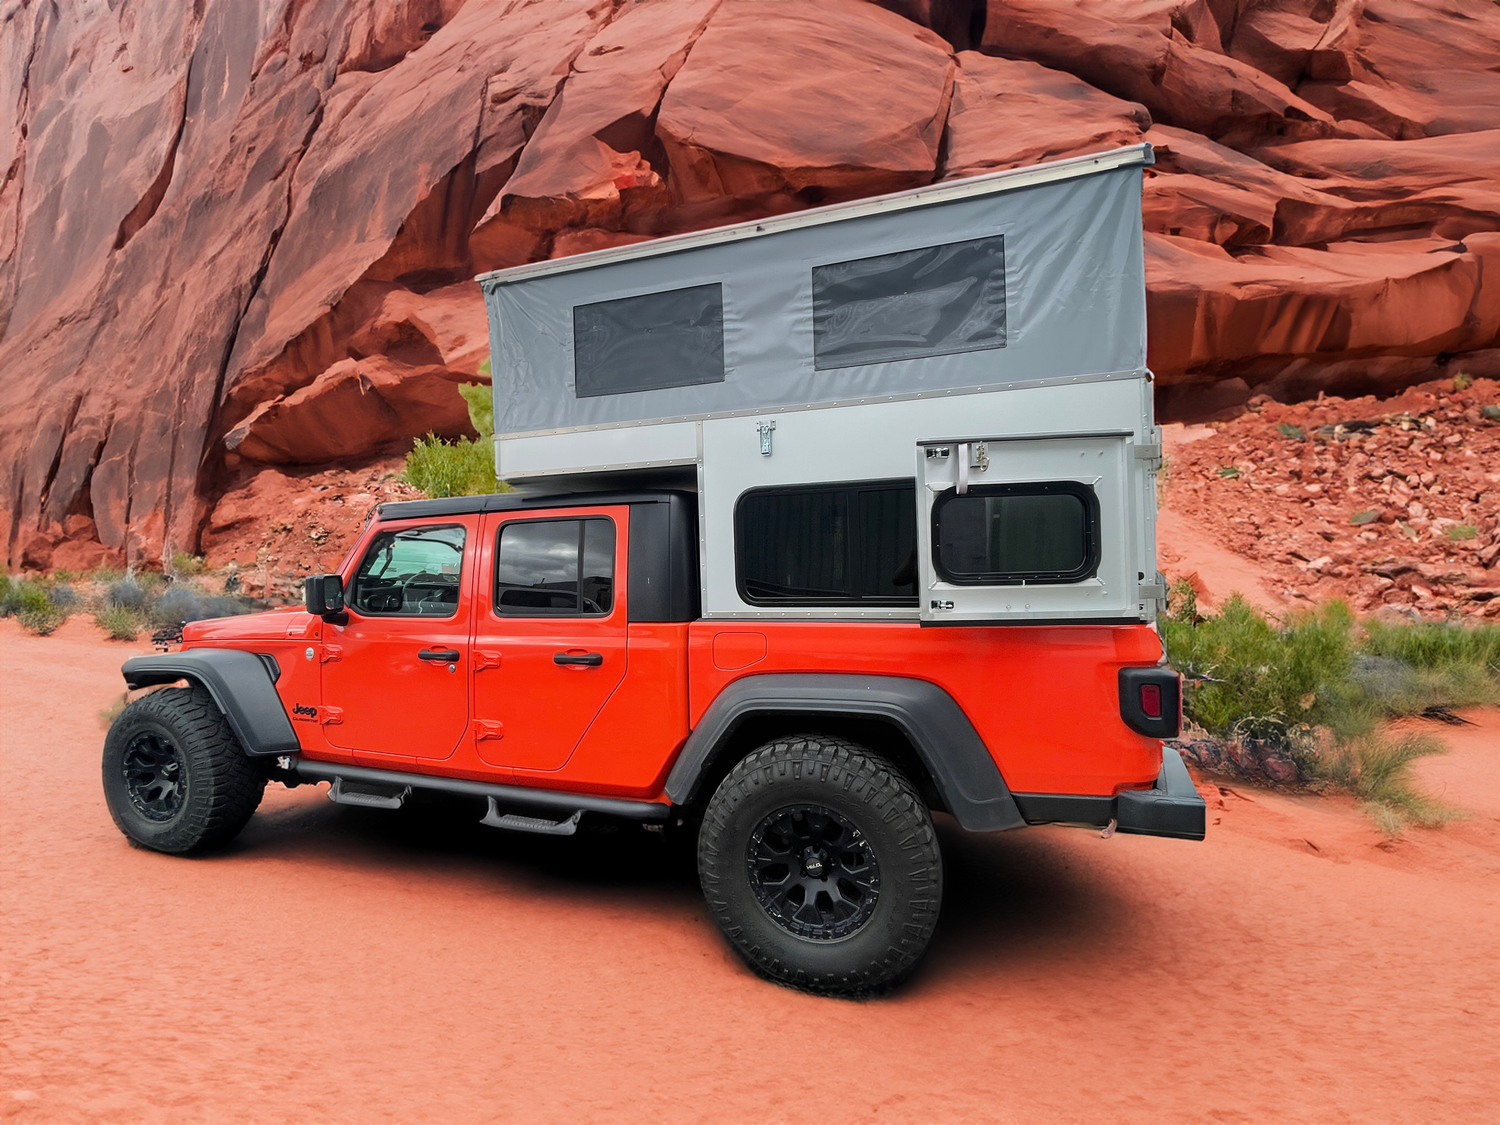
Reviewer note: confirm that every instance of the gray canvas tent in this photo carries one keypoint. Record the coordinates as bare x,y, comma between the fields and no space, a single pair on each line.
843,343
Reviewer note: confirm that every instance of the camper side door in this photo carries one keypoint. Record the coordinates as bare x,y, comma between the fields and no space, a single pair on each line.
1027,530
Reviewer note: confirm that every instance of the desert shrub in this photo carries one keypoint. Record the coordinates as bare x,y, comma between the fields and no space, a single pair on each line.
464,467
480,400
64,596
1318,687
461,468
1376,768
181,604
1430,644
28,600
119,622
184,563
126,593
1248,677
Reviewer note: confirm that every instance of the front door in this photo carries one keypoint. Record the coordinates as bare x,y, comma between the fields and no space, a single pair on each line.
550,648
396,675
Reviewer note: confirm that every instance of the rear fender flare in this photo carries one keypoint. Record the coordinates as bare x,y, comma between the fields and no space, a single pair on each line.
947,743
240,685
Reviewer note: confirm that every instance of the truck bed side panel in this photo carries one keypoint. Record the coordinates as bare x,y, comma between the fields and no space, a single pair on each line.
1045,699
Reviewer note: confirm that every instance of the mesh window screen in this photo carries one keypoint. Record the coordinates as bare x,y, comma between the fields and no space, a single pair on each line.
918,303
828,545
650,342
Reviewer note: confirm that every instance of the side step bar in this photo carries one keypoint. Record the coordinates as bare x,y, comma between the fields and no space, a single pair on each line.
368,796
376,783
495,819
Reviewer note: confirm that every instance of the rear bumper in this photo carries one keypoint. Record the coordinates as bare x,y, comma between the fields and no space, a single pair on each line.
1171,807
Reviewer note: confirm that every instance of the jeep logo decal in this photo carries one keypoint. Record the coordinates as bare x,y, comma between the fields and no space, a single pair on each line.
302,711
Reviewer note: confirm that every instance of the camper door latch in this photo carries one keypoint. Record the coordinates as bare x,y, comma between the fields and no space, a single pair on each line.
765,429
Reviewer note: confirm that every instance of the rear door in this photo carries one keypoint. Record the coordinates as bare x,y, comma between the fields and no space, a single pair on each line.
1028,530
550,643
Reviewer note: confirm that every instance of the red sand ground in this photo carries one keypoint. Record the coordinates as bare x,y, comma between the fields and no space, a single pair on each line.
349,965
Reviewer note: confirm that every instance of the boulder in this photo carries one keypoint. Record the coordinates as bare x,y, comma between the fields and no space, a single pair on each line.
1009,112
1140,52
840,96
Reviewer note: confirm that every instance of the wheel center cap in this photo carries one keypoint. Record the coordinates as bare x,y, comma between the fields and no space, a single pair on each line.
814,864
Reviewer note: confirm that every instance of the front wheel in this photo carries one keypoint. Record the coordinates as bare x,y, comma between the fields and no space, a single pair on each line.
175,777
820,864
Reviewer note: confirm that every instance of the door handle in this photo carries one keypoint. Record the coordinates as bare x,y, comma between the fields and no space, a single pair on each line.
444,655
587,659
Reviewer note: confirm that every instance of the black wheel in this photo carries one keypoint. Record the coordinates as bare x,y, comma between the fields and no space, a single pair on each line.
175,777
820,864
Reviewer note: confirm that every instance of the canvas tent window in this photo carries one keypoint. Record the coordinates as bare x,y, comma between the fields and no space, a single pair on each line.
938,300
649,342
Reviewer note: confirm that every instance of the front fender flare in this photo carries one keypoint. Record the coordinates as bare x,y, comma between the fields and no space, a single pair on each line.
238,682
949,746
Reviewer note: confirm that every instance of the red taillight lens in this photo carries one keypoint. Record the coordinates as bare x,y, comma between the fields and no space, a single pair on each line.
1151,700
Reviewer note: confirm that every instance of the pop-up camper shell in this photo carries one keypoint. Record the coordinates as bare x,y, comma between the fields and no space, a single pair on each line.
976,342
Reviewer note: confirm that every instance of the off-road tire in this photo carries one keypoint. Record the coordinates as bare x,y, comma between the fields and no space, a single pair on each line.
211,787
861,790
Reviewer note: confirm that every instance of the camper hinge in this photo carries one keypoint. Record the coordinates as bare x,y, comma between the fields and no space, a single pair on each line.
1149,590
1150,451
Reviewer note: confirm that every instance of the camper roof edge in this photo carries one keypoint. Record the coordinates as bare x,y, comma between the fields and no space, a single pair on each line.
1010,179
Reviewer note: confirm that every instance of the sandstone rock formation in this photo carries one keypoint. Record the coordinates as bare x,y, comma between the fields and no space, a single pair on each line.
238,234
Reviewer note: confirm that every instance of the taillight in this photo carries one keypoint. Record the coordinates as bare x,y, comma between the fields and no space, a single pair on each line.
1151,701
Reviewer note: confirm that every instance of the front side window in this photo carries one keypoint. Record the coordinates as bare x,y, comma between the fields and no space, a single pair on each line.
548,568
828,544
1007,534
939,300
410,573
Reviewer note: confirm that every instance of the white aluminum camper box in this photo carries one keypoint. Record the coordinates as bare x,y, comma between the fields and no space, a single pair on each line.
978,332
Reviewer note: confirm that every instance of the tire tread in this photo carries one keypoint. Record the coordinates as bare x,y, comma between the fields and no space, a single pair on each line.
884,791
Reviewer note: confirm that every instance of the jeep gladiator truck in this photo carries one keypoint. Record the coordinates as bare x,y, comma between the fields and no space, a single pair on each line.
790,619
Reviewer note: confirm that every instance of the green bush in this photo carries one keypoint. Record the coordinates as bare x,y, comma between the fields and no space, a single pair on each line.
461,468
119,623
1246,677
29,601
1431,644
1320,686
186,564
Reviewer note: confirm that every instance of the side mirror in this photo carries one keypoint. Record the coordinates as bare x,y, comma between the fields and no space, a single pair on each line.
323,594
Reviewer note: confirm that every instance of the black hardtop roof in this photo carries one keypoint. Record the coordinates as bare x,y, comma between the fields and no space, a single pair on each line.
516,501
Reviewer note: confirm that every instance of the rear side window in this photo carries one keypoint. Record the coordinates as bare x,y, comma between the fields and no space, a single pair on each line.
650,342
828,544
410,573
1006,534
938,300
555,567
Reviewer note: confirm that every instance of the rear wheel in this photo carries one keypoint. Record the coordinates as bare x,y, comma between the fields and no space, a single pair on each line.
175,777
820,864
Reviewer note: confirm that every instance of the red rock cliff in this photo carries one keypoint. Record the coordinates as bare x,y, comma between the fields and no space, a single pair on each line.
238,233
